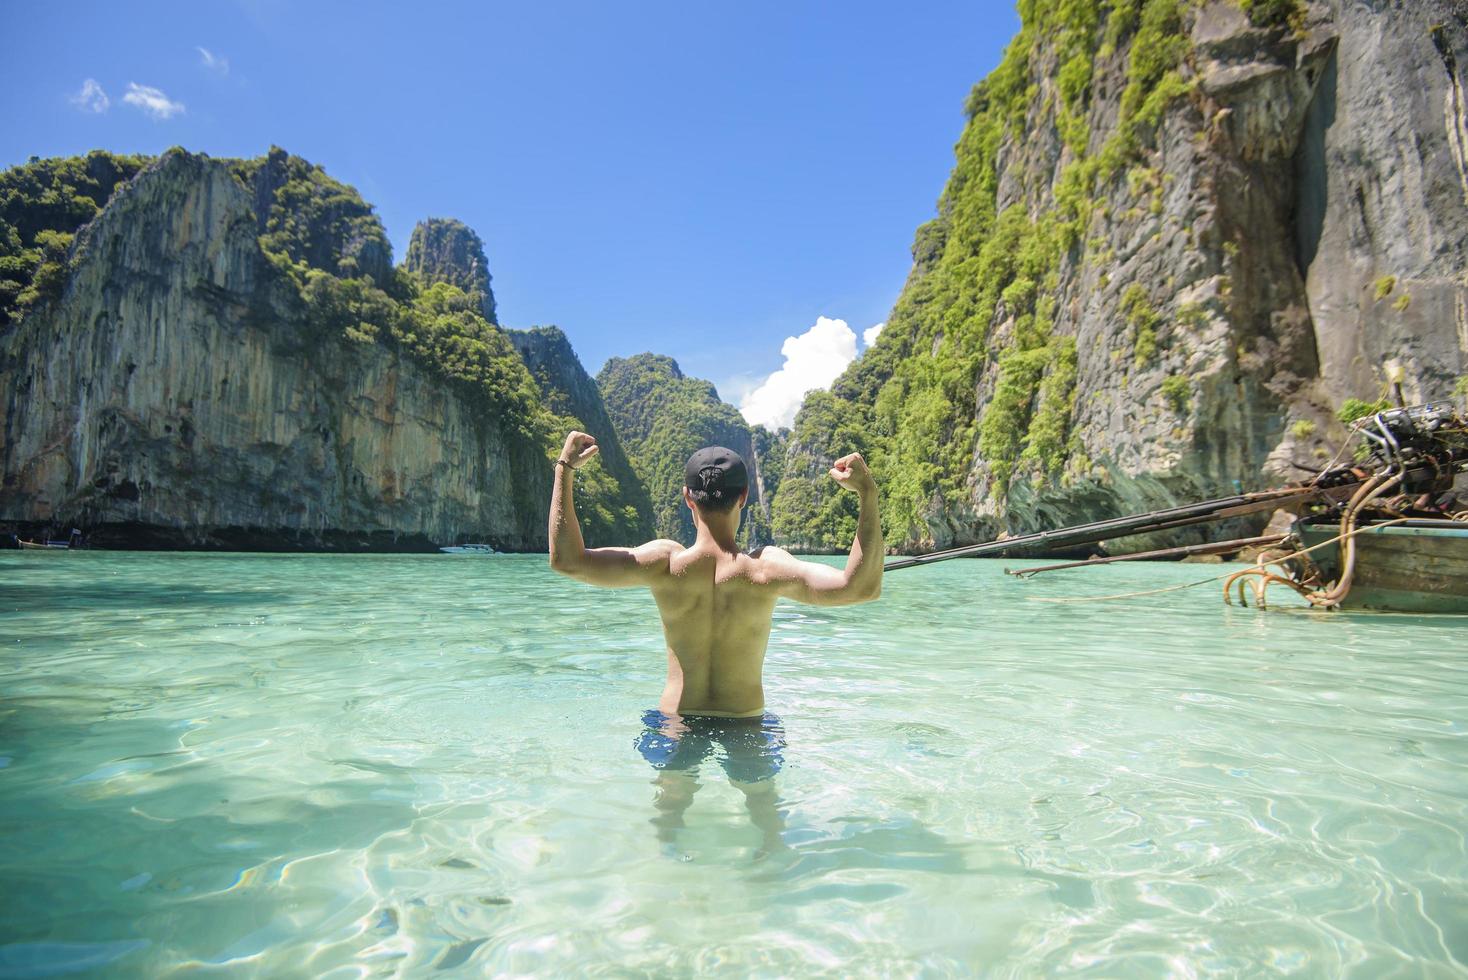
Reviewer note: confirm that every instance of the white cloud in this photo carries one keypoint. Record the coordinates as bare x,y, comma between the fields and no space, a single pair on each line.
152,101
91,98
870,334
812,360
215,63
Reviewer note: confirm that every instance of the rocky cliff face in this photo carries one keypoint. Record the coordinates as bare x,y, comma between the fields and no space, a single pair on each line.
1381,170
1178,236
185,390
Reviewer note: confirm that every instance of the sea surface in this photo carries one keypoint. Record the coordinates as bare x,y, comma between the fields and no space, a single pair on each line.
257,765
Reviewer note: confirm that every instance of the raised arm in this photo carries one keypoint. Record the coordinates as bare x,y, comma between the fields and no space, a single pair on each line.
609,567
861,579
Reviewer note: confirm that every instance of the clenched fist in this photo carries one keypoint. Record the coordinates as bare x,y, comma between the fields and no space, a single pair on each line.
851,472
578,449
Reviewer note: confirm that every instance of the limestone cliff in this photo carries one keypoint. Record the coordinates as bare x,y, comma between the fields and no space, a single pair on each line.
232,361
1177,237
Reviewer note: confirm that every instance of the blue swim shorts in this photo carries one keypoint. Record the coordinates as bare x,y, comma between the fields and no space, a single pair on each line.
751,746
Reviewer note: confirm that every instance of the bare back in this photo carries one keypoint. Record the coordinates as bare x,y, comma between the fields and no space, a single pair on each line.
716,609
716,603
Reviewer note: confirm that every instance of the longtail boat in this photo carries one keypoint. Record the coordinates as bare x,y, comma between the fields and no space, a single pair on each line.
52,544
1384,532
1400,543
1418,565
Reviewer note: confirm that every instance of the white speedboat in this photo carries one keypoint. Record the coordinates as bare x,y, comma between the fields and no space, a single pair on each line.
468,549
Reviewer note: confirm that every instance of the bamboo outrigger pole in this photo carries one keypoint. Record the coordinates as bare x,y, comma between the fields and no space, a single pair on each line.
1215,548
1223,508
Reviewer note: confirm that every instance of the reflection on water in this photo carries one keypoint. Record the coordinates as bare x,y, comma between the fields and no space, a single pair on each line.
751,752
293,765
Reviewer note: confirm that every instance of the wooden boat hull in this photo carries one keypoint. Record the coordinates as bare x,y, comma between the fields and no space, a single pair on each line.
1421,566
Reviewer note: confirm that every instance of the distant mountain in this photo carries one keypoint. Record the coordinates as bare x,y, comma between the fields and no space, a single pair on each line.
663,417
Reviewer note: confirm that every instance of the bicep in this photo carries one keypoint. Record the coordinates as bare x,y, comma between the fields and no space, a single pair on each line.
813,583
619,568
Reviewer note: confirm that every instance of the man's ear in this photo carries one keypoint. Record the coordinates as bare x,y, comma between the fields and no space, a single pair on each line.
688,498
744,498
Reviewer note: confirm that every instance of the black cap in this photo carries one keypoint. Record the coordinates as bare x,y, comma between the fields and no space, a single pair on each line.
715,475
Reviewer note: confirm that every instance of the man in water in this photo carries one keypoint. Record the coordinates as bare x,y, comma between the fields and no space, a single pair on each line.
716,604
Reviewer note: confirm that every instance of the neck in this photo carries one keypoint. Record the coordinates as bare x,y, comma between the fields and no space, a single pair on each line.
717,530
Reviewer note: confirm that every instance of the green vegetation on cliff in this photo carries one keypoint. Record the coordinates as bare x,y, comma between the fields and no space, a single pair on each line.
662,417
1354,409
1275,13
810,512
609,493
309,219
437,325
978,311
42,205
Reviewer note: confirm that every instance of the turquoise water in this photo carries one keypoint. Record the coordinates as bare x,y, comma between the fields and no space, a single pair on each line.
348,766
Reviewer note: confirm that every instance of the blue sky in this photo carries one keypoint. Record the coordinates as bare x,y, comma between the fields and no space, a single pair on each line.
701,180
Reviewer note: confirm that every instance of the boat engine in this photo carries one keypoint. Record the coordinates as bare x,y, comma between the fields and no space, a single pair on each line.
1407,463
1432,433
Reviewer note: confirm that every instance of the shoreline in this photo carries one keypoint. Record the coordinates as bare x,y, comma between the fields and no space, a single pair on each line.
121,537
153,537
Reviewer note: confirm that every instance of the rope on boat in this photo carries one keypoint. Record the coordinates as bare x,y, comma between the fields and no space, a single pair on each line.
1218,547
1216,578
1126,595
1332,596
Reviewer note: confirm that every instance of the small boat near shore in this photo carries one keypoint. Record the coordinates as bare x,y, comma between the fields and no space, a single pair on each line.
51,544
468,549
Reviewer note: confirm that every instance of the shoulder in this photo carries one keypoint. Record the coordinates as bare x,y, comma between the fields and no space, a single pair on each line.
777,564
771,553
657,551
